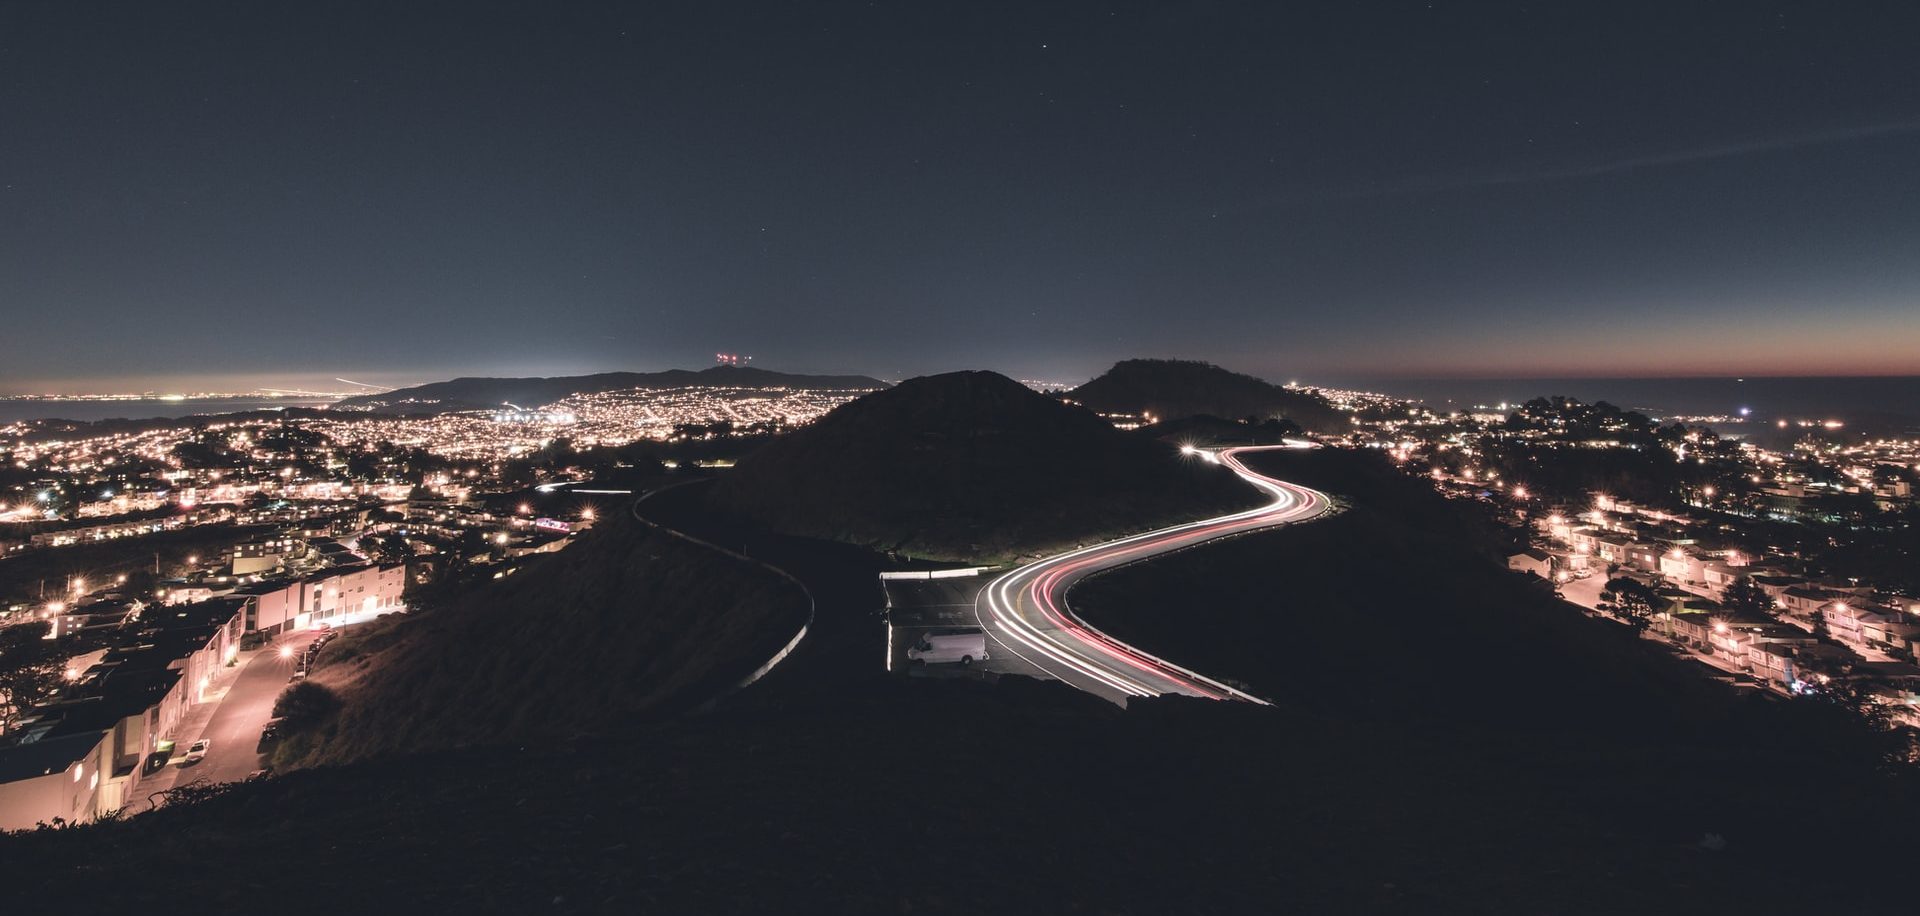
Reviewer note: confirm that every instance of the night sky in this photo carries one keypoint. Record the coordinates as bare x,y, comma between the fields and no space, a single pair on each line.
282,194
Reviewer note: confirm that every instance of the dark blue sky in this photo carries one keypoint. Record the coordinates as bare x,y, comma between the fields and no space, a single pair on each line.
244,189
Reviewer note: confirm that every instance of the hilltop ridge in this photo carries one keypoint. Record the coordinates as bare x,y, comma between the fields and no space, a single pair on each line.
472,392
1170,389
970,465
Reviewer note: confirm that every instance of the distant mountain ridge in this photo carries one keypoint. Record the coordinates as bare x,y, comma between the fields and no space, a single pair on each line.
970,465
1174,388
472,393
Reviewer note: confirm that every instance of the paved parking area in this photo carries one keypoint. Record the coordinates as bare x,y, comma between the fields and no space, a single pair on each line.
917,605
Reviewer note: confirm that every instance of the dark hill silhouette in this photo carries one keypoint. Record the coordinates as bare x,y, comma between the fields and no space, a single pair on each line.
472,393
1173,388
969,465
936,797
629,623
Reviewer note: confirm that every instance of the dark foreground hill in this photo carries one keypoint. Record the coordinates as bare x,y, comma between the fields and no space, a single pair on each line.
628,623
1173,388
956,798
969,465
475,393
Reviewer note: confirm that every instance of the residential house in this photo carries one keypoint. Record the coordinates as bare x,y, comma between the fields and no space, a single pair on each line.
1532,562
1847,619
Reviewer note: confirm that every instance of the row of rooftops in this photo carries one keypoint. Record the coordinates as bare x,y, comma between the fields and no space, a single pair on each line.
129,679
269,586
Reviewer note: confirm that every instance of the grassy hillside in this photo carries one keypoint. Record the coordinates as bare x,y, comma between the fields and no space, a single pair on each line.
628,623
1174,388
970,465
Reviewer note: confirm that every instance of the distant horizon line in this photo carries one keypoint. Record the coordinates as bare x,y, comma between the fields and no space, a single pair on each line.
1548,376
1303,379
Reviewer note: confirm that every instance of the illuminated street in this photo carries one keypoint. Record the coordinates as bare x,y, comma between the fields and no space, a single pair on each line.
236,720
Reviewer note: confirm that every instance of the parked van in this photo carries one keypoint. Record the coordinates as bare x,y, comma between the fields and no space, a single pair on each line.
965,645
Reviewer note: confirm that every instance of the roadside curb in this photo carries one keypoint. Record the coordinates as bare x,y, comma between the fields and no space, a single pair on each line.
785,650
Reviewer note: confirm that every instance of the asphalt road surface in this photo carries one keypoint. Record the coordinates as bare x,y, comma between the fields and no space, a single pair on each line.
236,723
1025,611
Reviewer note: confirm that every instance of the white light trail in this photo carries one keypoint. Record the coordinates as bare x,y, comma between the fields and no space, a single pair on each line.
1028,606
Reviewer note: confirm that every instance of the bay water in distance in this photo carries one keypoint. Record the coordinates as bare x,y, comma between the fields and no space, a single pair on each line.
1876,405
93,409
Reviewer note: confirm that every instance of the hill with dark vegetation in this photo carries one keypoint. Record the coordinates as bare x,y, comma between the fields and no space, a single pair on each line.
970,465
627,624
476,393
1174,388
894,799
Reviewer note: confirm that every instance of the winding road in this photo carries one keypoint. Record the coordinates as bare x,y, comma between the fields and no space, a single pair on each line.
1026,613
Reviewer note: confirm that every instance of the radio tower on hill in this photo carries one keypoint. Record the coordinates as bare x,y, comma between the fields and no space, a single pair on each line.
731,359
